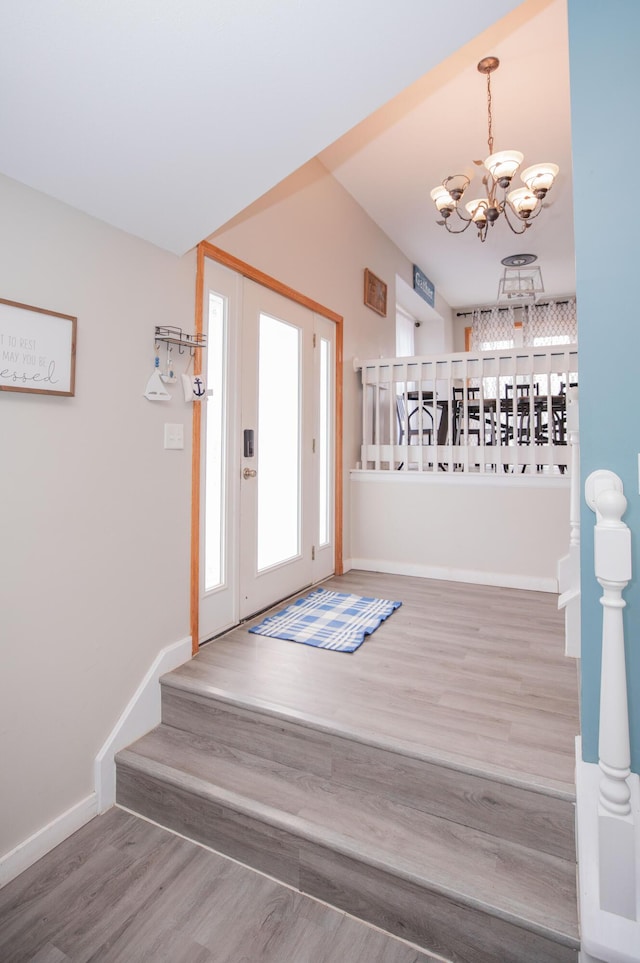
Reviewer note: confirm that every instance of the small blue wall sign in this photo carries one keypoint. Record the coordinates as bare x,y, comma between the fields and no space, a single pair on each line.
423,286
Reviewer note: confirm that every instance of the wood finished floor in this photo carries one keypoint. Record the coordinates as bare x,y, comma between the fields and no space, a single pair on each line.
474,674
122,890
468,673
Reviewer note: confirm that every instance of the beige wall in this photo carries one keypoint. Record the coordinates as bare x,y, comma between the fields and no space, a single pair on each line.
310,234
94,514
499,530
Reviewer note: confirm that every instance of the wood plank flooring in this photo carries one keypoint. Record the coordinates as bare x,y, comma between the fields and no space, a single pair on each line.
472,674
530,885
461,684
122,890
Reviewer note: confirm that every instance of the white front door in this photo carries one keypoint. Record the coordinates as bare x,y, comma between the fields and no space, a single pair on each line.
276,502
267,512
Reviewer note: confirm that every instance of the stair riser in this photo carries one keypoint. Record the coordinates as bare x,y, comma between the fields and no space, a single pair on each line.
435,921
532,819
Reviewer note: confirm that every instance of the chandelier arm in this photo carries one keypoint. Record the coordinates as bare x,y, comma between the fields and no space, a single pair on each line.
490,186
506,207
462,229
461,217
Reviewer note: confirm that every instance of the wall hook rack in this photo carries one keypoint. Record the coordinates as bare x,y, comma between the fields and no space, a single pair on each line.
172,335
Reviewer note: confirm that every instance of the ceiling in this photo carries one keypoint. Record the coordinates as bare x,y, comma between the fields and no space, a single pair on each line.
438,126
166,118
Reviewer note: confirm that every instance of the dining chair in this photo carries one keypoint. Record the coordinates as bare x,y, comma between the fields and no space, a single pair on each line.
411,425
525,411
466,421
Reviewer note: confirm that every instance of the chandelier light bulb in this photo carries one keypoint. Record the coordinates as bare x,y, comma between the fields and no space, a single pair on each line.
477,210
503,165
523,202
443,200
539,178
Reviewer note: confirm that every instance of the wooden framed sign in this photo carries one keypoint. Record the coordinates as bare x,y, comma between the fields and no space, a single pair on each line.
37,349
375,293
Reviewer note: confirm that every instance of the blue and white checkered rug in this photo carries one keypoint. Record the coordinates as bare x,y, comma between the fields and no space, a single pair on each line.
328,620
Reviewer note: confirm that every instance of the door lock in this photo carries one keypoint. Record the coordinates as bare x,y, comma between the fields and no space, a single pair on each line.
249,473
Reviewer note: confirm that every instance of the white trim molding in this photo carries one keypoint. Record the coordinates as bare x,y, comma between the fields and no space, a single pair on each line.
47,838
500,579
604,936
471,480
140,716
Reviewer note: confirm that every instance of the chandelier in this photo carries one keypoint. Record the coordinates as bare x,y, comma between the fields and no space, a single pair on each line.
519,206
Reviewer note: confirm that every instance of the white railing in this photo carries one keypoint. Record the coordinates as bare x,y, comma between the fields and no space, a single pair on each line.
616,831
483,411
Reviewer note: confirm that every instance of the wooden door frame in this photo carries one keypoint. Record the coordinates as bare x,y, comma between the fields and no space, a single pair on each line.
208,250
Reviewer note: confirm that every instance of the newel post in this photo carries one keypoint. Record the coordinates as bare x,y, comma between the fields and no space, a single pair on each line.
612,561
569,565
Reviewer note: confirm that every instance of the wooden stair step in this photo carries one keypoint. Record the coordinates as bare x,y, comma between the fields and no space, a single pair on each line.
450,888
537,816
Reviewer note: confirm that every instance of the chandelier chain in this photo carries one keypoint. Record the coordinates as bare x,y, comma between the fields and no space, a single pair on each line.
489,114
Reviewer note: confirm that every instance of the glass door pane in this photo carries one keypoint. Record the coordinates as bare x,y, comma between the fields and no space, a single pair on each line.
324,466
279,510
215,449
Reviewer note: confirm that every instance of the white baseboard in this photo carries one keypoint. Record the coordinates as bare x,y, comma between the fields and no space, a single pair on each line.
140,716
44,840
604,936
501,579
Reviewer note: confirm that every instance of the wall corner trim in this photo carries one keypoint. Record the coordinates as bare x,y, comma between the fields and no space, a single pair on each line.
140,716
33,848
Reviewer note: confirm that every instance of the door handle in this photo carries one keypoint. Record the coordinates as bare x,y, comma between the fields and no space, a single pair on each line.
249,473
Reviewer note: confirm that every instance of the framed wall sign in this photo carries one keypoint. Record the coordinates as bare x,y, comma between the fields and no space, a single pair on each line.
423,286
375,293
37,349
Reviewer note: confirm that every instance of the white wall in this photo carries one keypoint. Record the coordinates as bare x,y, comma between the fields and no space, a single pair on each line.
434,337
435,332
310,234
94,514
495,530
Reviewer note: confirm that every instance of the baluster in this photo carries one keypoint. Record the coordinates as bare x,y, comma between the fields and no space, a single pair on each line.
612,561
366,392
406,439
573,437
393,418
549,417
376,420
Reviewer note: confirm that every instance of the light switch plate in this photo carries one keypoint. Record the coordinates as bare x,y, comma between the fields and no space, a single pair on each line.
174,436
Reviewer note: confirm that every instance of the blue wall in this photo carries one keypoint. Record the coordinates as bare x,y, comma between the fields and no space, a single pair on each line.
604,49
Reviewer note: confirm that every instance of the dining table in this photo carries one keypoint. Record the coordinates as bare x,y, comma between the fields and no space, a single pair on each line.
521,418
